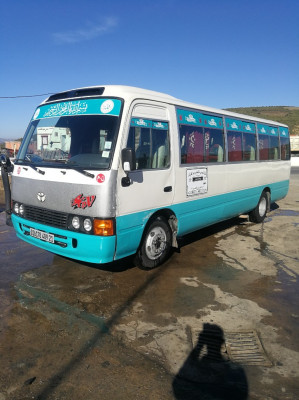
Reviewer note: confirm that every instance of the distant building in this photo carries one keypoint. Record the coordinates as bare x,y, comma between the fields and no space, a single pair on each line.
294,139
12,147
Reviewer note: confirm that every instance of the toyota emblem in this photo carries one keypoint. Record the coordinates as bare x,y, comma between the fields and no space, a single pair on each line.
41,197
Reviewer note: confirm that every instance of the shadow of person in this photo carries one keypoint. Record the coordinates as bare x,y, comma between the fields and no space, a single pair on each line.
207,374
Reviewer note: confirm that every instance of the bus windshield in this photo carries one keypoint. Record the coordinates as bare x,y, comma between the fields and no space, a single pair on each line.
84,141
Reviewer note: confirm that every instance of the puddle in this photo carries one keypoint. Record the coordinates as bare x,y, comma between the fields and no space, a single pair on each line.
18,256
286,213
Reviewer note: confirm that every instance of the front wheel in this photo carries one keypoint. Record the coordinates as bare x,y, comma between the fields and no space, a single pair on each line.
259,213
155,247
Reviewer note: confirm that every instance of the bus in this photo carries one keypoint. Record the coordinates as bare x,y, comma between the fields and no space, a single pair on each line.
107,172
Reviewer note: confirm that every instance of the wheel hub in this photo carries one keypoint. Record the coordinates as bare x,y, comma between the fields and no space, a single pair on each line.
155,243
262,207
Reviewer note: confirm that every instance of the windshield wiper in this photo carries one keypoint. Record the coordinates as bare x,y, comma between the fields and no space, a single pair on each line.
35,168
81,171
72,165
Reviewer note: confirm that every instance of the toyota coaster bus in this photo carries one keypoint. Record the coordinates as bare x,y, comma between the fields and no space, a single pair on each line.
110,171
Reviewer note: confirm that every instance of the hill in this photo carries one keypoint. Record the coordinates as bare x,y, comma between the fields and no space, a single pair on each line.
284,114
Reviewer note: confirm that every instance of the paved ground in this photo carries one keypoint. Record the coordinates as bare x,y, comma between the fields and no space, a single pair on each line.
72,330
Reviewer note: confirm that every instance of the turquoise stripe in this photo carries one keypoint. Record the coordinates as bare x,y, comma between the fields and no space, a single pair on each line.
194,215
273,131
190,117
248,127
79,107
142,123
279,190
160,125
145,123
267,130
195,118
204,212
262,129
233,124
241,126
89,248
283,132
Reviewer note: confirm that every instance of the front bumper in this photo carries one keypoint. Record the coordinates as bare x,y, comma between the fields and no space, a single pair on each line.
88,248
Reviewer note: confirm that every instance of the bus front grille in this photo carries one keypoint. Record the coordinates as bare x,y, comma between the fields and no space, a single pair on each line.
46,217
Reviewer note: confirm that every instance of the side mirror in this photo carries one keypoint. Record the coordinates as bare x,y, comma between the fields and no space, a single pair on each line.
128,159
129,164
5,162
3,159
6,167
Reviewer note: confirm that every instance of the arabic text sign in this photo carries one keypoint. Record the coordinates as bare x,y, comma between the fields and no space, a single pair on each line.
79,107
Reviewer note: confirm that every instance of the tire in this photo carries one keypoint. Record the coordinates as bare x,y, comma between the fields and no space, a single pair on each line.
259,213
155,246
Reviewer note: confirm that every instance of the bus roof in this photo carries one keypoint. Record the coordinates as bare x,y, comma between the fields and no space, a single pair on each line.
130,93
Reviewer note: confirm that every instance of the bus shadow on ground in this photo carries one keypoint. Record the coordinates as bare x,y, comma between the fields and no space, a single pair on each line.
211,230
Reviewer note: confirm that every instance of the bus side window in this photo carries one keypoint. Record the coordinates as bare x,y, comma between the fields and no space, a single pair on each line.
274,148
285,148
139,140
234,141
143,150
151,146
192,144
214,143
264,147
200,145
160,148
249,147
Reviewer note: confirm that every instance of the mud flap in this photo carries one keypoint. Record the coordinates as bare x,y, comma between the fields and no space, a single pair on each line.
173,223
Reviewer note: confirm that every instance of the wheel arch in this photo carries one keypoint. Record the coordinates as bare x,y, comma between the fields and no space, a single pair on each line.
171,219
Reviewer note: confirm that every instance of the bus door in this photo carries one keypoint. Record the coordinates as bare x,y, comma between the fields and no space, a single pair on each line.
152,184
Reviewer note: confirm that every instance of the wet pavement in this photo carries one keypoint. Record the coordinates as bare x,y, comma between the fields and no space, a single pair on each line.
218,321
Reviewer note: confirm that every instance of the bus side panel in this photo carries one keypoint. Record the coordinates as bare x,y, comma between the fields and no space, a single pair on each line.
129,230
279,190
232,189
194,215
204,212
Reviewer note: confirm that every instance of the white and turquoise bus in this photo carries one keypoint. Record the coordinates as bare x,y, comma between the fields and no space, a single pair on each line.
111,171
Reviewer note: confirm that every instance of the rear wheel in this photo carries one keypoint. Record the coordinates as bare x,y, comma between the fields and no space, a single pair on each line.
259,213
156,244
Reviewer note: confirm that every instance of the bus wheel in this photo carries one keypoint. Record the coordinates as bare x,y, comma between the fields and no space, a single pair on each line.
156,244
259,213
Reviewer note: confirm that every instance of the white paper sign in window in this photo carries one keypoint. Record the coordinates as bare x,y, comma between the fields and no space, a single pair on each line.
197,181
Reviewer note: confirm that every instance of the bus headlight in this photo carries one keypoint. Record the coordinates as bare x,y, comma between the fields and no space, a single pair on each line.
87,224
76,222
16,208
21,209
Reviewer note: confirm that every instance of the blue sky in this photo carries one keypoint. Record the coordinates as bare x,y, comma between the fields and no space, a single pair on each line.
220,53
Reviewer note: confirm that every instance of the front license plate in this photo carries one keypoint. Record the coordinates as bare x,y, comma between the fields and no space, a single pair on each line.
46,237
